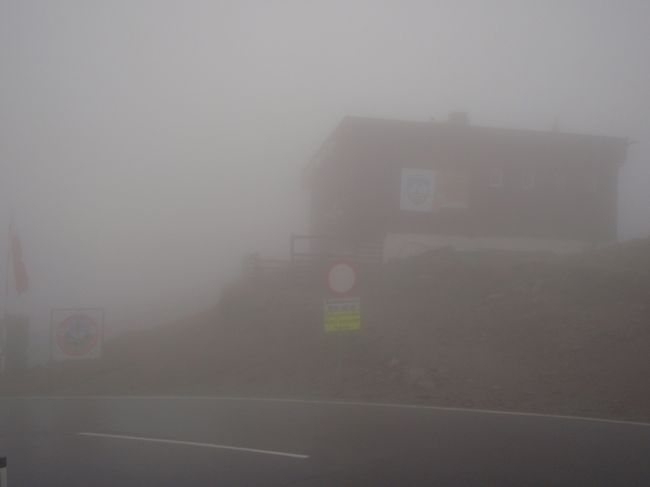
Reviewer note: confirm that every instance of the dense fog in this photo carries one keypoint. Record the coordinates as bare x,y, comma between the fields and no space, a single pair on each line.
146,146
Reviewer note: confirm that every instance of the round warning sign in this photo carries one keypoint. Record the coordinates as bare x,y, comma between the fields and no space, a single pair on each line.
341,278
77,335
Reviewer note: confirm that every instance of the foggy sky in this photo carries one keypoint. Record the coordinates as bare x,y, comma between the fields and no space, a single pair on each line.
146,145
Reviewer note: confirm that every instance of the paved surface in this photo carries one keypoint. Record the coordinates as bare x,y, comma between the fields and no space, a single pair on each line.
231,442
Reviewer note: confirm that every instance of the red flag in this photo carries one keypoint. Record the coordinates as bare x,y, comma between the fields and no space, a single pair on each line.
20,271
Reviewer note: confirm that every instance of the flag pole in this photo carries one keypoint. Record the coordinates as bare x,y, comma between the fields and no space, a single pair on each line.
5,314
7,273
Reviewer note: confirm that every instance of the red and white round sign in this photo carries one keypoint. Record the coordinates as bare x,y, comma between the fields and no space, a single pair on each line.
341,278
77,335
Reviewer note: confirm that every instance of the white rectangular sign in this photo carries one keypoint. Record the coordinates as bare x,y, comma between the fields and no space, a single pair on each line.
76,333
417,190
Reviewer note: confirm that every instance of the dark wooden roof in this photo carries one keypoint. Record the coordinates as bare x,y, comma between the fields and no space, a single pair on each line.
434,137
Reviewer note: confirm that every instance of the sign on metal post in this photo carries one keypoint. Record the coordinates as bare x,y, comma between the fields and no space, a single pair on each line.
76,333
341,278
342,314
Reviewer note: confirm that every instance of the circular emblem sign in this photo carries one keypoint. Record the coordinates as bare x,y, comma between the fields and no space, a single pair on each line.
77,335
418,190
341,278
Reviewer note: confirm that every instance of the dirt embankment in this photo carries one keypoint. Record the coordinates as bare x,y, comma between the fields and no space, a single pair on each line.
498,331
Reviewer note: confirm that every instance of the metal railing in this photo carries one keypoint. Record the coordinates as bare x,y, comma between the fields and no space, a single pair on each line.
309,258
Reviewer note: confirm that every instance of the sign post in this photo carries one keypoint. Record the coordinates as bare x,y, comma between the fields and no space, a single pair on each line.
343,312
3,471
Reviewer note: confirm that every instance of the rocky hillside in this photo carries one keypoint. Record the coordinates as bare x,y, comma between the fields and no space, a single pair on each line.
499,331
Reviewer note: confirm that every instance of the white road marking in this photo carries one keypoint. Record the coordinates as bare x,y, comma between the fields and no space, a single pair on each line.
193,443
325,402
422,406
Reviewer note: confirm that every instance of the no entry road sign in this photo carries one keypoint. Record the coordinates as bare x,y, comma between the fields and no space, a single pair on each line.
341,278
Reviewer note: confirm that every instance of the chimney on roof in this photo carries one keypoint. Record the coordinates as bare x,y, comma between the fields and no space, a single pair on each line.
458,118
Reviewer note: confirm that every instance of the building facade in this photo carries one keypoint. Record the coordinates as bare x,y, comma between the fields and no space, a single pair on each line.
420,185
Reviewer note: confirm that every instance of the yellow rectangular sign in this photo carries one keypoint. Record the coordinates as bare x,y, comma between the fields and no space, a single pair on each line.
342,314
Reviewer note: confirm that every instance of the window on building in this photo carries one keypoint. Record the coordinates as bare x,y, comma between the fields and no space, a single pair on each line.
495,176
528,179
561,179
592,182
453,189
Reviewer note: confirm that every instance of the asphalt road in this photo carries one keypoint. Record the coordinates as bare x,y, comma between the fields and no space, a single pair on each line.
165,441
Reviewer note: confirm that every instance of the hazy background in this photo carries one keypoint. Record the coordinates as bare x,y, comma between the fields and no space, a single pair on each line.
146,145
